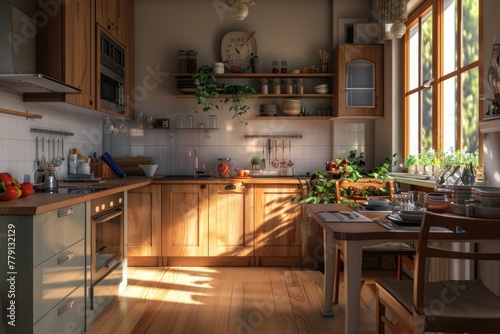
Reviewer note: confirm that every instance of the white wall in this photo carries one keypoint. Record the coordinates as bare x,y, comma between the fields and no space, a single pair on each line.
285,30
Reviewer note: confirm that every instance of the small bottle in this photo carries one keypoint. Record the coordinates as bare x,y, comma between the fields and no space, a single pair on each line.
275,66
288,86
300,86
284,67
276,86
264,87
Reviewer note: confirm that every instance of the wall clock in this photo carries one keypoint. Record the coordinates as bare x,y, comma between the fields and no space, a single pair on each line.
237,48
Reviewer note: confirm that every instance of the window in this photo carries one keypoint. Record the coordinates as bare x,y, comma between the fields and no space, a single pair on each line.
442,77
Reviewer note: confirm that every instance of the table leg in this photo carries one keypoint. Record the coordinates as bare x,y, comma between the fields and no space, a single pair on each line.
329,256
352,281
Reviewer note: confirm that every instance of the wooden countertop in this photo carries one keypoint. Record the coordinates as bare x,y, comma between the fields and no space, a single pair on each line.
44,202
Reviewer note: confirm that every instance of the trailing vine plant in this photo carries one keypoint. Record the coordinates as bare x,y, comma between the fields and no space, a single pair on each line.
213,95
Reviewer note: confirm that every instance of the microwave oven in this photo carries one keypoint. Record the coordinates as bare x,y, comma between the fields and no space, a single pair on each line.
112,75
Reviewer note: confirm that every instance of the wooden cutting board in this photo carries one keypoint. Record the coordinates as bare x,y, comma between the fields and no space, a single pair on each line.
131,164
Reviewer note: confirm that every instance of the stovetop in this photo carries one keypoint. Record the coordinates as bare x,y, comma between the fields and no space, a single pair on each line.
68,190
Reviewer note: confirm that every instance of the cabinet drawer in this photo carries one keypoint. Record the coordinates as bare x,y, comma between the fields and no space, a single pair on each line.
56,230
55,278
67,316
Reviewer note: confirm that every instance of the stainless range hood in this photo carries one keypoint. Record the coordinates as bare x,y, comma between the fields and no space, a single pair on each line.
18,52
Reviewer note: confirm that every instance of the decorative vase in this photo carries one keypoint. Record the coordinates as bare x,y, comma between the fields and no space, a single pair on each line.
254,167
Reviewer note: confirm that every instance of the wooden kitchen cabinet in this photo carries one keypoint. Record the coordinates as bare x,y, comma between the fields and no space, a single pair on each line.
277,222
359,80
144,225
113,17
214,220
230,219
184,219
66,51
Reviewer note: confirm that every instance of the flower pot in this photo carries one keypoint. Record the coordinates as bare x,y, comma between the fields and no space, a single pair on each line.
255,167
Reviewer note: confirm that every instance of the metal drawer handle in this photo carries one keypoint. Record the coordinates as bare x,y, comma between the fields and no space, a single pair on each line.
65,258
64,212
66,307
230,187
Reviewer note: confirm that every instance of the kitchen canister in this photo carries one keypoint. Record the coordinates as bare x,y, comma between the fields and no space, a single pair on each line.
218,67
224,167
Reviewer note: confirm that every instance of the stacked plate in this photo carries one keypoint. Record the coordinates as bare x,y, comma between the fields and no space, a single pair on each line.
291,107
436,201
268,109
461,193
488,196
186,86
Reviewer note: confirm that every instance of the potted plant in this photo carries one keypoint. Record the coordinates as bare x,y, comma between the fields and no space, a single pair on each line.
255,162
409,164
213,95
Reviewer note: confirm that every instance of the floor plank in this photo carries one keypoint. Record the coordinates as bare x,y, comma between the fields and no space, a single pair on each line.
236,300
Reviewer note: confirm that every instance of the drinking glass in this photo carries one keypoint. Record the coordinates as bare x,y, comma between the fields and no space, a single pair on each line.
179,121
189,121
213,121
402,202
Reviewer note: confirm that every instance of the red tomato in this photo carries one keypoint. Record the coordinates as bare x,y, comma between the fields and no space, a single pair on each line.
26,189
11,193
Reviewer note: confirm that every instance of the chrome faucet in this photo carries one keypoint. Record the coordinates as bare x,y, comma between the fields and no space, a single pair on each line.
196,171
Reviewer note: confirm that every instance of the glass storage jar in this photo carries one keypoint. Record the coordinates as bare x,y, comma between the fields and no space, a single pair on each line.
224,167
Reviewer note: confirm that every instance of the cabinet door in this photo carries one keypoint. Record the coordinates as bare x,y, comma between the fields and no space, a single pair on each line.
184,220
144,221
359,80
277,221
230,220
66,51
112,16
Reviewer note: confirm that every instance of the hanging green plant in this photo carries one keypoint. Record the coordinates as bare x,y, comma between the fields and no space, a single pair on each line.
213,95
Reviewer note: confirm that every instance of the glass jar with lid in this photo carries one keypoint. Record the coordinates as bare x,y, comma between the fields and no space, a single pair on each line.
276,86
224,167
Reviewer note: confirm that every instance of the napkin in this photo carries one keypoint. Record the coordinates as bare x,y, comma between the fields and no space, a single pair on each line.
342,217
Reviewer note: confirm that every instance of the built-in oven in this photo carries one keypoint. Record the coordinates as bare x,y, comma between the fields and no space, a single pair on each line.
106,250
112,75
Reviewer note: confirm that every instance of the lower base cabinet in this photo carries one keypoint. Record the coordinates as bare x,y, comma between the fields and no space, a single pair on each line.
144,221
214,220
277,221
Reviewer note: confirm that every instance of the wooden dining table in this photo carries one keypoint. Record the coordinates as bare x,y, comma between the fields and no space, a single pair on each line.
355,234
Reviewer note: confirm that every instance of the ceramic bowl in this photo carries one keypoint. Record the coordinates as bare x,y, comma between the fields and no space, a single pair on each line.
374,201
149,170
321,89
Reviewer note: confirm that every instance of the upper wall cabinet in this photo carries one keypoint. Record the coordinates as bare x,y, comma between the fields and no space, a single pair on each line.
113,17
69,49
359,80
66,52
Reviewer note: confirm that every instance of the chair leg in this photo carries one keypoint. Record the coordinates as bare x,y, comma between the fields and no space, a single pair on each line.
336,275
400,267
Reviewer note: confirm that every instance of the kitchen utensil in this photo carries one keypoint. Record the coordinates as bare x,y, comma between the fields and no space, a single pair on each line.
269,151
62,149
282,163
43,162
263,160
37,161
275,163
290,162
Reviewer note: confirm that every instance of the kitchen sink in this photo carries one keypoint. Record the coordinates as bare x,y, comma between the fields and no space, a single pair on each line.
186,177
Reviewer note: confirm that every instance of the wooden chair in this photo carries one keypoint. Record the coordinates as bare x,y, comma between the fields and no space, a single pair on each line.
401,250
458,306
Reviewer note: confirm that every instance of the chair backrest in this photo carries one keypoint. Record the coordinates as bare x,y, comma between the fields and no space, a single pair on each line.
459,229
363,184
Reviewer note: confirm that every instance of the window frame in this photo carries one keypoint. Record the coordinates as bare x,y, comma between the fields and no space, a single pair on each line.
437,8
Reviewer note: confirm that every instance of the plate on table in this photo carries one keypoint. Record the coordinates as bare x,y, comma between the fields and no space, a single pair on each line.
369,206
396,219
412,215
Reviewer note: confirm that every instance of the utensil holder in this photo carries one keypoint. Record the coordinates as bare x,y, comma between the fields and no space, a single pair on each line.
101,170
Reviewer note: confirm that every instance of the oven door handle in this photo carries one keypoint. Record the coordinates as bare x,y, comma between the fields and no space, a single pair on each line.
108,216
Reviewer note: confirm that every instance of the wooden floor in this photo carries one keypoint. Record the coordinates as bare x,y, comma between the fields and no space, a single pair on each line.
250,300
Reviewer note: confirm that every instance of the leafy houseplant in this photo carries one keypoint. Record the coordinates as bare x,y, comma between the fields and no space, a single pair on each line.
319,190
213,95
409,163
255,162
